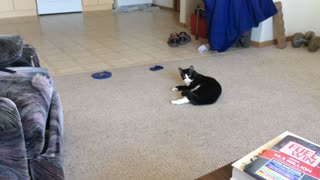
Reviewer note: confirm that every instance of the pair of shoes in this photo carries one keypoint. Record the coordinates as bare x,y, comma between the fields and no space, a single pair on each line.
176,39
156,68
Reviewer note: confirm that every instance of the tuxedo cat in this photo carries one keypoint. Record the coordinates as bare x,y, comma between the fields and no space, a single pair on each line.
199,89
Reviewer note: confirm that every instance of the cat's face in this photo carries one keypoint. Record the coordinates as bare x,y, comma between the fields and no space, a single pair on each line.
187,75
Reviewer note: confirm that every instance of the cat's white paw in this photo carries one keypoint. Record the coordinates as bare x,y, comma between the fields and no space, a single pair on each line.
174,89
184,100
173,102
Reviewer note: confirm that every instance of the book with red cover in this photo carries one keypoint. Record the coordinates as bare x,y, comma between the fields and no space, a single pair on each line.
290,159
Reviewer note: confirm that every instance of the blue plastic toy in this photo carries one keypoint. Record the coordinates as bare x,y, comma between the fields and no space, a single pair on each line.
102,75
156,68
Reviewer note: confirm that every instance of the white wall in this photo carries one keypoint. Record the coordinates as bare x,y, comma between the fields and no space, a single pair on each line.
299,16
165,3
183,9
264,32
187,7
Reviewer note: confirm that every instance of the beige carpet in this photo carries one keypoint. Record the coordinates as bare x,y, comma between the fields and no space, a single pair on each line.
125,127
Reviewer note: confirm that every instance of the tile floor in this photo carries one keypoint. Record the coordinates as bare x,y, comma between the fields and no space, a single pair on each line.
101,40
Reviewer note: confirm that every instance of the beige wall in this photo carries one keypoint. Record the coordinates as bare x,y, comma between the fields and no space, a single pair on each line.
15,8
187,7
299,16
92,5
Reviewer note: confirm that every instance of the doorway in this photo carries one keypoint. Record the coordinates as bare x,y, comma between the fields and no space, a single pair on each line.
176,5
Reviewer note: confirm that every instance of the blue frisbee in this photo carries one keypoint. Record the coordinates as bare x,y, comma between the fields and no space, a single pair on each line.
102,75
156,68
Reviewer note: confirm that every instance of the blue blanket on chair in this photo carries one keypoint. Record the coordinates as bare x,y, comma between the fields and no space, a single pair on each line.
227,20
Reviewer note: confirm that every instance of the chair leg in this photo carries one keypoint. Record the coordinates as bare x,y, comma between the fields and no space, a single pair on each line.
197,24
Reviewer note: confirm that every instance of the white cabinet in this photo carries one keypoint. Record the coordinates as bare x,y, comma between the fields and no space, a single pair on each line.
58,6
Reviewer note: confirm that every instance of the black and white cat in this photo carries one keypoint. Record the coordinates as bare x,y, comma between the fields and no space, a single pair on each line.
199,89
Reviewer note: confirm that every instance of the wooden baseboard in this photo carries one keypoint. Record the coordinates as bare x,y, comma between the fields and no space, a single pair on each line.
183,24
18,13
268,43
262,44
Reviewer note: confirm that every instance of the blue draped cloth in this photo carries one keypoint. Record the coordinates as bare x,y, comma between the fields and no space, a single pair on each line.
227,20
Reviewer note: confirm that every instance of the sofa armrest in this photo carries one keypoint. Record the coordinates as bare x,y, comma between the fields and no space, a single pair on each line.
13,155
49,165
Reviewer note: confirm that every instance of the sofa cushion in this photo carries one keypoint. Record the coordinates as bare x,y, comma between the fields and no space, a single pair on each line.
13,156
31,90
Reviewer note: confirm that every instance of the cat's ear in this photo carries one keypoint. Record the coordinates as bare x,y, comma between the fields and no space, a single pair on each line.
191,69
180,70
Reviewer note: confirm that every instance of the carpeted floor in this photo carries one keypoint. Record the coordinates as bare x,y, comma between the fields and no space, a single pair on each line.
125,127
